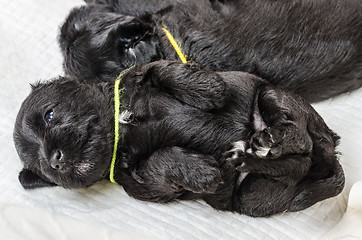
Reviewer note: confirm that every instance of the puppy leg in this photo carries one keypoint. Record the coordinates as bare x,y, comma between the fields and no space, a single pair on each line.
289,168
260,196
291,126
202,89
310,191
280,121
326,177
170,172
265,186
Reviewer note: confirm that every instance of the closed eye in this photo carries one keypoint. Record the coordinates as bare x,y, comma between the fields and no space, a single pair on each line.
131,41
49,116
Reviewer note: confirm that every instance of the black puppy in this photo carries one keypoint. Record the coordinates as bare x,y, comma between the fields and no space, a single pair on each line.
229,138
312,48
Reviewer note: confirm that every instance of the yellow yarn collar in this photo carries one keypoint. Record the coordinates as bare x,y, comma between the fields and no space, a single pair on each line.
117,103
174,44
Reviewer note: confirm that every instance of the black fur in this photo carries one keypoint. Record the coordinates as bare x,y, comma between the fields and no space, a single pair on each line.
313,48
229,138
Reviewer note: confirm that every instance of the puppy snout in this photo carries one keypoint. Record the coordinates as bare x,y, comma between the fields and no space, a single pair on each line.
56,160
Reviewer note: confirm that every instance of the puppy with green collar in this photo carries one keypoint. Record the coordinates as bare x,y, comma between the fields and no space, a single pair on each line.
168,130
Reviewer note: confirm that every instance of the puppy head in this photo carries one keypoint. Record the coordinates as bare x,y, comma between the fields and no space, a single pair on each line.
63,134
97,43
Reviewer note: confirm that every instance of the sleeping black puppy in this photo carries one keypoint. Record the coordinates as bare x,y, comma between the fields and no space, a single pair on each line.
312,48
229,138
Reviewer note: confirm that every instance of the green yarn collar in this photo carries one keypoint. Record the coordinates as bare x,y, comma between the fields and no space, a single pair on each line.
117,103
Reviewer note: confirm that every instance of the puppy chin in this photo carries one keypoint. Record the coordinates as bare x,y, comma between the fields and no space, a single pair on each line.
81,175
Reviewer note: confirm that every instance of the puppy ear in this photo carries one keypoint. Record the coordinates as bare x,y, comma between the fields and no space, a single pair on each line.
30,180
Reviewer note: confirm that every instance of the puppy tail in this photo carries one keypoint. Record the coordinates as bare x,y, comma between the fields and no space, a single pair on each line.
312,191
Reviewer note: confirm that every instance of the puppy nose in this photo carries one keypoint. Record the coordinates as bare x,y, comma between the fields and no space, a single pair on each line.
56,160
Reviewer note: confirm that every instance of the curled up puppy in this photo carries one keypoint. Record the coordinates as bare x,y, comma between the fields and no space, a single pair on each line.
229,138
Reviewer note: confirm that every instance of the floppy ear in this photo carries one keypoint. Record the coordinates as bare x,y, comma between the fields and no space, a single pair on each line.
30,180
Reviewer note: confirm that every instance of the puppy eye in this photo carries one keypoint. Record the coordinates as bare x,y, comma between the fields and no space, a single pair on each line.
48,116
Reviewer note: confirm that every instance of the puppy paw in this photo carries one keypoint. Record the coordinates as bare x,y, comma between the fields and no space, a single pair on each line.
237,157
237,151
266,143
205,182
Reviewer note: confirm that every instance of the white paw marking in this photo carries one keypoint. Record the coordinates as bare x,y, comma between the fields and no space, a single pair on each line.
262,152
125,117
235,155
238,146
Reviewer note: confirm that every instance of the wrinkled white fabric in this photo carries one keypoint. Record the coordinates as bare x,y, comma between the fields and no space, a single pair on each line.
349,228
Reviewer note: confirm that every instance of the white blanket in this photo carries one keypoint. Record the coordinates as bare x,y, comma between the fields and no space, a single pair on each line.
29,53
